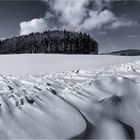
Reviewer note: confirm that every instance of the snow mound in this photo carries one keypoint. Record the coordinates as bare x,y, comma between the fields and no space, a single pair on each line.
29,109
82,103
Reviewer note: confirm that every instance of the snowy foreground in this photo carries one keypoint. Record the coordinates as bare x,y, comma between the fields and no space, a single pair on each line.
102,102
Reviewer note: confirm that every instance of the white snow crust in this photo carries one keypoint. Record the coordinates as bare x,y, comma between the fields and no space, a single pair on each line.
60,96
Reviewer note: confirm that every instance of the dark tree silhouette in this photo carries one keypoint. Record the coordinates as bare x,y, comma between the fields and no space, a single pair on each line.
65,42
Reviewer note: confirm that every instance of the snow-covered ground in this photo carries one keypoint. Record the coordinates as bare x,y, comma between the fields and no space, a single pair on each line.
60,96
42,63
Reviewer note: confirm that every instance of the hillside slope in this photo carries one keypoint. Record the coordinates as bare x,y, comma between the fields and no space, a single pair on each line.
126,53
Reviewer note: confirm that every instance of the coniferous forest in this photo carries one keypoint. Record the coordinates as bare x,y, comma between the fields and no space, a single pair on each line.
65,42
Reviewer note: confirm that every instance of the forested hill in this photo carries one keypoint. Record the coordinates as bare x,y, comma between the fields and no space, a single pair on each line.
129,52
65,42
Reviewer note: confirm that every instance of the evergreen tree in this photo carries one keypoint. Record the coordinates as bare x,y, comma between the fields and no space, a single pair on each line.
65,42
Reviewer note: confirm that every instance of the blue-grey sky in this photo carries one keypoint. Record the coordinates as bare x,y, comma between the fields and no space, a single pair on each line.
12,13
114,24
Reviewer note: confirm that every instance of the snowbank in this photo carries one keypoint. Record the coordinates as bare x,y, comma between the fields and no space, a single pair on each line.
99,102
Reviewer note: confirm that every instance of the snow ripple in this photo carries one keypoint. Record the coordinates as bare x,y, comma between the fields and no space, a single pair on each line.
98,103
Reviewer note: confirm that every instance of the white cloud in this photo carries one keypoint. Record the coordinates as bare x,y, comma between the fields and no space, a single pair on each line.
1,39
123,23
71,12
78,15
97,20
35,25
133,36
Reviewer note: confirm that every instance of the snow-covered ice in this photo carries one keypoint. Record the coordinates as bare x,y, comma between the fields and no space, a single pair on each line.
60,96
42,63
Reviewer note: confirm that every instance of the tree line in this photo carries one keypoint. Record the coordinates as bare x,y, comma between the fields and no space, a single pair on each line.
65,42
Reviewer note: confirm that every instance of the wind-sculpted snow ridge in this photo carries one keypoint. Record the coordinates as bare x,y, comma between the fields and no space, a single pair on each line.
98,103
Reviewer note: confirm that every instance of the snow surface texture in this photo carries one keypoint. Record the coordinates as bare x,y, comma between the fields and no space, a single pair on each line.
42,63
96,103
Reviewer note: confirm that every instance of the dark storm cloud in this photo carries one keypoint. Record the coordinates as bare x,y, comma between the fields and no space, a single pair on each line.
78,15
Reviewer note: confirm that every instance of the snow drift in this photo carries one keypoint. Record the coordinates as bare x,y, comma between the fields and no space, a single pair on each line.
91,103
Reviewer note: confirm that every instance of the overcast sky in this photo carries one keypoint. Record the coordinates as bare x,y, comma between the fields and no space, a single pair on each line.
114,24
